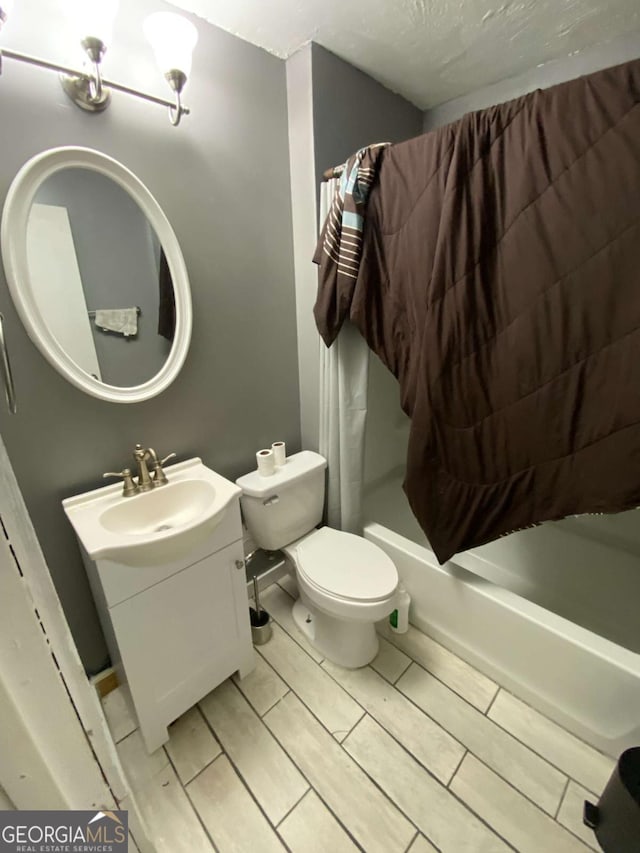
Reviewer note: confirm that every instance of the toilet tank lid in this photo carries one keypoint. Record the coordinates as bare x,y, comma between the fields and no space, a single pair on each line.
298,465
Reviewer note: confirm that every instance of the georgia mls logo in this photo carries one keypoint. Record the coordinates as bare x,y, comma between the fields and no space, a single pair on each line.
63,832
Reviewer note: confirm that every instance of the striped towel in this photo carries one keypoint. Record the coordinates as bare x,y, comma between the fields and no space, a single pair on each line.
340,247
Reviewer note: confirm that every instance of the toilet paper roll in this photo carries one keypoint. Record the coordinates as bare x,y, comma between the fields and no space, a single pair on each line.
279,452
266,462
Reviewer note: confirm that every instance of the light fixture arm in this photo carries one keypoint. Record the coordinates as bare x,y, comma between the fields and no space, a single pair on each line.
95,49
69,73
176,80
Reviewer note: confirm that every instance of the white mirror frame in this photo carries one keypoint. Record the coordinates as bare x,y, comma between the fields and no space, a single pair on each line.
13,236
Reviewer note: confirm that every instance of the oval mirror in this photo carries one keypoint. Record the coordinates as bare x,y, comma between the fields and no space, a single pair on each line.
96,274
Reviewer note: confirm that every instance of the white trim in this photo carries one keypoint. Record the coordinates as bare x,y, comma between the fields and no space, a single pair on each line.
83,705
13,236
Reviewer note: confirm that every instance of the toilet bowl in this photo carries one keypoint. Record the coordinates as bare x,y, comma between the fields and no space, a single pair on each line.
346,583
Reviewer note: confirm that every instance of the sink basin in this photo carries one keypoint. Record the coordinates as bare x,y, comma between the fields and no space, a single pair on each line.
151,526
166,508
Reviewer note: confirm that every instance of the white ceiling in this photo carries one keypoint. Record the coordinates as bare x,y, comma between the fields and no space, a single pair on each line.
427,50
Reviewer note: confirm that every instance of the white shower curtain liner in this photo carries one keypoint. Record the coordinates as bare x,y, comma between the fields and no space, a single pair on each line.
344,370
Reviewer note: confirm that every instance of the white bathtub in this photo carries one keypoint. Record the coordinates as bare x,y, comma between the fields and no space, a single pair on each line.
550,613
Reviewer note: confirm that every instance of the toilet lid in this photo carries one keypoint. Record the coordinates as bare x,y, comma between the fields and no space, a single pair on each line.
347,566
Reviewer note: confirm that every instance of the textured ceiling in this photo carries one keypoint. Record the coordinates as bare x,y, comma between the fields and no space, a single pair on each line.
427,50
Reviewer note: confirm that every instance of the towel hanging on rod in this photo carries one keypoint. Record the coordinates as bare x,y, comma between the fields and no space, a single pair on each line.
121,321
92,314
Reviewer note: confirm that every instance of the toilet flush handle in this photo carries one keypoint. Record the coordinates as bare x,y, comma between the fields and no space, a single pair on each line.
271,500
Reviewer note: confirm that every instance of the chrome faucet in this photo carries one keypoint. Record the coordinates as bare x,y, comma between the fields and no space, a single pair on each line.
146,480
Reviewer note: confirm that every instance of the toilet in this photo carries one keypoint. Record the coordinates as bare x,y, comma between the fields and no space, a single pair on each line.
346,583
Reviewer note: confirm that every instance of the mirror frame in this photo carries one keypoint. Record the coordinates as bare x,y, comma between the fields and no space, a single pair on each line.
13,235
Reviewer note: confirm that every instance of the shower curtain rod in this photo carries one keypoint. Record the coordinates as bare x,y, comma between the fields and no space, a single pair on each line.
334,172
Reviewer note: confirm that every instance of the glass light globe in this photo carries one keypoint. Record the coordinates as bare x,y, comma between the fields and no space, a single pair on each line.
173,39
95,18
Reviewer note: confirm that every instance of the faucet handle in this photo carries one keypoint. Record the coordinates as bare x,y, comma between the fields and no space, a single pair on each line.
159,477
129,487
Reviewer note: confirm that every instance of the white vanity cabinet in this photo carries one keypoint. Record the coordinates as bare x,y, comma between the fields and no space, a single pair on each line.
177,629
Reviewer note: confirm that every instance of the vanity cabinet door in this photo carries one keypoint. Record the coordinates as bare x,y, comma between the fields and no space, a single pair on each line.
184,636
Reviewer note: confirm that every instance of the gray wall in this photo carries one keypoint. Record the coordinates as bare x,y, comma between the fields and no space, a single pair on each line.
118,256
334,109
549,74
351,110
222,178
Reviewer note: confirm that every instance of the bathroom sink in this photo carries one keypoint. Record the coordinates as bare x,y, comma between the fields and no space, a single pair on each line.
154,526
167,508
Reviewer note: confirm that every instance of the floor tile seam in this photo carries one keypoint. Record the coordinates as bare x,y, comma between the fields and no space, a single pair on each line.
561,727
311,711
271,707
521,743
423,712
562,799
487,711
190,802
236,768
406,749
241,777
124,737
398,677
448,686
575,835
364,714
327,673
308,781
455,772
451,793
528,799
448,651
567,774
412,842
296,804
367,712
238,684
493,770
380,789
580,741
200,772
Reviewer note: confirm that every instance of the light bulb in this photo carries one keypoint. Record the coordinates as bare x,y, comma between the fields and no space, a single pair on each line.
173,39
94,19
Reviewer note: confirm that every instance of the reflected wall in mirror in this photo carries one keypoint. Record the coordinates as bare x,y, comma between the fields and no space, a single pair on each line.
91,249
96,274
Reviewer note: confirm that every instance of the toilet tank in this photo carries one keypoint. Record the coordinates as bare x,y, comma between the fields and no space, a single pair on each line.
281,508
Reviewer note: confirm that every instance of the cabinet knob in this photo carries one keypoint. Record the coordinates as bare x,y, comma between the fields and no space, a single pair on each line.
239,564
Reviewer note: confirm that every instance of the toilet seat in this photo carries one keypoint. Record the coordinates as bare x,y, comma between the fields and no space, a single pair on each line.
346,566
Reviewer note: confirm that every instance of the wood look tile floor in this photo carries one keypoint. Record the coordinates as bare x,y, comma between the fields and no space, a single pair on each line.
418,752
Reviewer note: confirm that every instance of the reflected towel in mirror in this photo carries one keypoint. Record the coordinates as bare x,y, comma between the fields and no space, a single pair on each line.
122,321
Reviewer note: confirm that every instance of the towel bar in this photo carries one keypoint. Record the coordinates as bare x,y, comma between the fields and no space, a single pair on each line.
93,313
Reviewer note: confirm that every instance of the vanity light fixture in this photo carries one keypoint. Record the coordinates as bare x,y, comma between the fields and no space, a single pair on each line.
172,37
